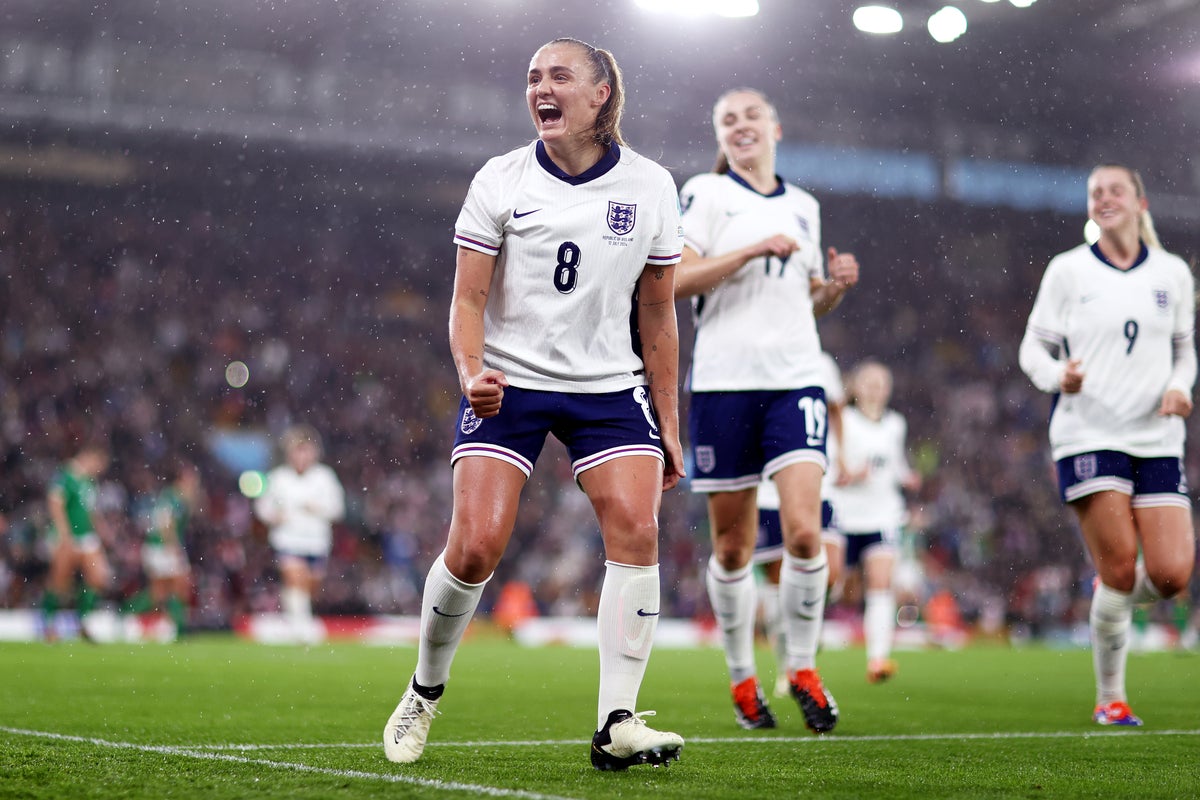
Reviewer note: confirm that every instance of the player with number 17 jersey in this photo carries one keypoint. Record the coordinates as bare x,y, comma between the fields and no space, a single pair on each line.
569,252
755,329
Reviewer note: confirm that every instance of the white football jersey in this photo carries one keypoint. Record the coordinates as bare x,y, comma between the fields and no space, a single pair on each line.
835,394
569,253
1133,333
300,508
876,503
755,329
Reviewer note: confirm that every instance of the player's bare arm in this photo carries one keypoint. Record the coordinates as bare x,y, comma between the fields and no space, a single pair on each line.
697,275
660,355
483,388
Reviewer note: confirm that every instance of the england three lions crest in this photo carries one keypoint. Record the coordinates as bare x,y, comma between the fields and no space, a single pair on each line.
621,217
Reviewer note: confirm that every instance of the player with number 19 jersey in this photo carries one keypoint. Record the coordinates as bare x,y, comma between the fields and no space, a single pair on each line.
569,252
1128,328
755,329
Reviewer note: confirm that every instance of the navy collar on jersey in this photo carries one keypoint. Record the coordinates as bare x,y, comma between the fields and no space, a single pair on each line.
1143,254
601,167
780,189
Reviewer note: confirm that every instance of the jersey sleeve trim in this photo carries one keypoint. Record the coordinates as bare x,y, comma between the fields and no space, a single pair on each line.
475,244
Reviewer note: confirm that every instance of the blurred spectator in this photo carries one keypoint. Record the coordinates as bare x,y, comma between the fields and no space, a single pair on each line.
123,310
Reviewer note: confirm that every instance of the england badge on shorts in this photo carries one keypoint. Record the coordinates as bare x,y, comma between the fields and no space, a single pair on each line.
1085,466
621,217
470,423
706,458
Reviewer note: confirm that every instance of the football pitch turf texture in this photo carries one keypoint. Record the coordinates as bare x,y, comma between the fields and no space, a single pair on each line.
214,717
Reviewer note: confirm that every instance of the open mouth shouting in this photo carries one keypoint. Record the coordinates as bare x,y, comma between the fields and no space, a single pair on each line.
548,112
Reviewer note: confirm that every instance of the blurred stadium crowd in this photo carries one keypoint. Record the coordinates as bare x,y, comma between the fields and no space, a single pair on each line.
121,310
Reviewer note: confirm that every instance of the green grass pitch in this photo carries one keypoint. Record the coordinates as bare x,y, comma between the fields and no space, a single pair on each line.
213,717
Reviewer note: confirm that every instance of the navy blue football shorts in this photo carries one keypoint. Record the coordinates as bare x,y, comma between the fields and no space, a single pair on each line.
594,427
768,546
739,438
1149,481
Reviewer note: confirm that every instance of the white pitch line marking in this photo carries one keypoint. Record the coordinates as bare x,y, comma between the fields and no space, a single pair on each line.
186,752
808,739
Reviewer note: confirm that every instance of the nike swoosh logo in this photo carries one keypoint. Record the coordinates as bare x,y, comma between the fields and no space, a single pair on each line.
641,612
519,214
809,603
441,613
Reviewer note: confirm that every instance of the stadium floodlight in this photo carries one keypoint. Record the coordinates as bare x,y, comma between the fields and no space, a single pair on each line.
947,25
701,8
878,19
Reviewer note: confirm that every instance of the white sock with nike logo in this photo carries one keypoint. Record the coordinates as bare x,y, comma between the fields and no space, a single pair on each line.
802,585
626,618
447,606
1110,617
734,599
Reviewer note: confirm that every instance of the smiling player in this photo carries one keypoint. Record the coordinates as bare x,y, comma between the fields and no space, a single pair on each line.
562,322
752,261
1112,335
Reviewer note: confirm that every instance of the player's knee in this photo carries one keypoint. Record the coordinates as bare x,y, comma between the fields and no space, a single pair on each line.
802,535
1120,576
1173,580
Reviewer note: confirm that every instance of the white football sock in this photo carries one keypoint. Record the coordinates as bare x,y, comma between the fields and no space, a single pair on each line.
768,597
802,585
626,620
734,598
447,606
297,610
879,622
1110,616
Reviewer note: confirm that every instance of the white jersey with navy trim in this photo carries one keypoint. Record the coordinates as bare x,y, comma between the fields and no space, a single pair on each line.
835,394
304,506
1132,331
569,252
755,329
875,504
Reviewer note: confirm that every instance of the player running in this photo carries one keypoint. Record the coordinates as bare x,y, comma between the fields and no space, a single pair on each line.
302,500
768,549
753,264
562,322
1112,335
868,497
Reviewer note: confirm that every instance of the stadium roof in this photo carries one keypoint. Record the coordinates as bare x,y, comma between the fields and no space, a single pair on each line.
1057,82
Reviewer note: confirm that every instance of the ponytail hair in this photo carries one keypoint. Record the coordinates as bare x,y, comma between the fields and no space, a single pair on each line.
607,129
1145,222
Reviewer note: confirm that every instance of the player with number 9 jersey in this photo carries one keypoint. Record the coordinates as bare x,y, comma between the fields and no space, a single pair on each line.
1126,326
1111,334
